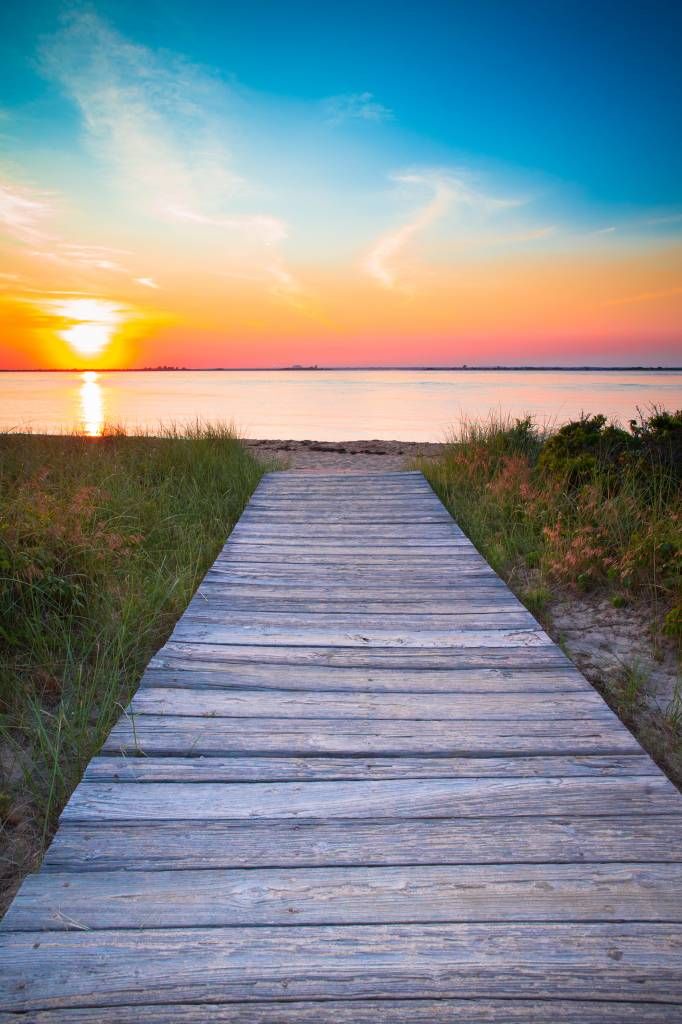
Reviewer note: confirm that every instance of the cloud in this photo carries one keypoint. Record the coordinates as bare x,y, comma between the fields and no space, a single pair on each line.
673,218
147,115
84,257
24,211
147,282
380,261
158,125
355,106
27,215
447,190
261,227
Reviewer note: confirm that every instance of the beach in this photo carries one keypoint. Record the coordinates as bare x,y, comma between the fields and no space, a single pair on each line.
343,456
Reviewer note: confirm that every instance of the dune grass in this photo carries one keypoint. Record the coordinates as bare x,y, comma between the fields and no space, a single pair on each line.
102,543
588,506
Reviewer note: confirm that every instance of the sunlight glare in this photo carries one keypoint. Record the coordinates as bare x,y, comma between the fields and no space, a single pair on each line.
92,404
92,323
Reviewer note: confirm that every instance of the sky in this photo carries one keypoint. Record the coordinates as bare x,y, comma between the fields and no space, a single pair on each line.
263,183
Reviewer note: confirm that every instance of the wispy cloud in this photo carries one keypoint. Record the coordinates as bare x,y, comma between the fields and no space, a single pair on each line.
147,282
160,127
28,216
265,229
25,212
355,106
147,115
447,191
673,218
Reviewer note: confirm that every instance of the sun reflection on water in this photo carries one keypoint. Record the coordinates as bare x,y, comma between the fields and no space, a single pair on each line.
91,404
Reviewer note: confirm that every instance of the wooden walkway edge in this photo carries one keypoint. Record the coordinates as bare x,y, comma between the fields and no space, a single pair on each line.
359,784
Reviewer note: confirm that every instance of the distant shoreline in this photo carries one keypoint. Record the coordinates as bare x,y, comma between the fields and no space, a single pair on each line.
347,369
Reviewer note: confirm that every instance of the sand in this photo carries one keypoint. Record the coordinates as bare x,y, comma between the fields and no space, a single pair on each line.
343,456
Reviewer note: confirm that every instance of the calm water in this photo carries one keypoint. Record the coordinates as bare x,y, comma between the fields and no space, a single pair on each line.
331,405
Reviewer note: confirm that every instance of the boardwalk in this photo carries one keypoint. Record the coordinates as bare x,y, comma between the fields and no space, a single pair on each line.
358,785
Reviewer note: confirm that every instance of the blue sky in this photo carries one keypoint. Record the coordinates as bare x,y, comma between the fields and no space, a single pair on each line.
408,180
588,92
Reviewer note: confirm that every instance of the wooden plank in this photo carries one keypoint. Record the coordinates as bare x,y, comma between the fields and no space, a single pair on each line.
341,555
226,675
412,798
182,735
257,529
405,659
320,519
244,597
290,704
326,769
385,589
347,895
355,635
372,1011
169,845
401,547
610,961
222,613
383,577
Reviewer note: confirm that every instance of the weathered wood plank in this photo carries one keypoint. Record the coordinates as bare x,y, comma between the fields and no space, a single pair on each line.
218,613
391,578
412,798
184,735
290,704
263,598
326,769
169,845
610,961
351,546
346,556
213,673
413,595
373,1011
355,635
404,659
347,895
255,529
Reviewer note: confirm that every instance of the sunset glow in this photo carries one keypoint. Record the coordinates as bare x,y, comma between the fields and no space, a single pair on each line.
193,199
92,323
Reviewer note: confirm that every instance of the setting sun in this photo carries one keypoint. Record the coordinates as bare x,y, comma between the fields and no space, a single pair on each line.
89,323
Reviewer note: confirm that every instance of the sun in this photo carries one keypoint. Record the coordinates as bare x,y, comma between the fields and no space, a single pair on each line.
89,324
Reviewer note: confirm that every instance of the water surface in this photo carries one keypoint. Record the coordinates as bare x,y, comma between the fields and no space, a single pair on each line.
325,405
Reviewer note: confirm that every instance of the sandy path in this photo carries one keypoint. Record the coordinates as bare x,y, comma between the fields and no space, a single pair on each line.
343,456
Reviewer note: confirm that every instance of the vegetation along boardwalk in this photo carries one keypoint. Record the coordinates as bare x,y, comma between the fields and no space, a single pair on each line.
359,784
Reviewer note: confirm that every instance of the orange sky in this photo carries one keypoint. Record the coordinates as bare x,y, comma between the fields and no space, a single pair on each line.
186,233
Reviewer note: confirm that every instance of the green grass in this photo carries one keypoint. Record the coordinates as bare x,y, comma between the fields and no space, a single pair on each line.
588,507
102,543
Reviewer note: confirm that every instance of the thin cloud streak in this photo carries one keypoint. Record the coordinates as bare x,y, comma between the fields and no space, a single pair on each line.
448,190
24,211
357,106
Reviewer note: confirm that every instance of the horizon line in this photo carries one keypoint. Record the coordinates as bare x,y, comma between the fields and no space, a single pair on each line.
330,369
